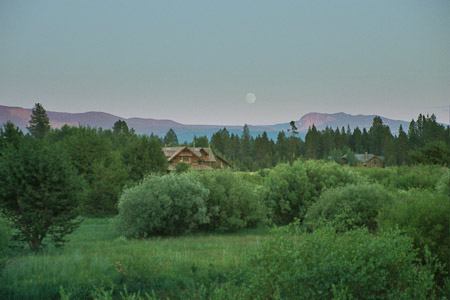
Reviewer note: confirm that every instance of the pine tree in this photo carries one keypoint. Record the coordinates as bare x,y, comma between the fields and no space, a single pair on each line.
39,190
10,135
171,139
39,123
313,143
355,141
401,147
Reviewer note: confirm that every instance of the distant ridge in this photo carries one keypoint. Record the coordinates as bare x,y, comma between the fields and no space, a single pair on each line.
20,116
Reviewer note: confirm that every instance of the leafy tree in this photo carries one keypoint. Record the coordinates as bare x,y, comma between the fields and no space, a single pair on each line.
39,192
144,155
120,127
435,153
39,123
171,139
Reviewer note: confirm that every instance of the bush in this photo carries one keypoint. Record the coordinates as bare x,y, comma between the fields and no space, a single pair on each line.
292,189
405,178
233,203
162,205
330,265
443,185
424,216
348,207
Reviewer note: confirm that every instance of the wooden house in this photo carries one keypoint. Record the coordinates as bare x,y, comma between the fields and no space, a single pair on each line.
367,160
199,158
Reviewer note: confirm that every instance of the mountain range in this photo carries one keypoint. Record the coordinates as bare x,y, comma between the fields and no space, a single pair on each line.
21,116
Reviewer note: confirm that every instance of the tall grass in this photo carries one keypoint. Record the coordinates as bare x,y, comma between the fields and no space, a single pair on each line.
96,256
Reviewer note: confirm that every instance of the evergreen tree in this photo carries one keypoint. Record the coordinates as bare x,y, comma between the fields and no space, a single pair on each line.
171,139
200,142
246,150
39,123
355,141
263,151
281,148
365,141
413,135
313,143
401,147
10,135
377,136
39,192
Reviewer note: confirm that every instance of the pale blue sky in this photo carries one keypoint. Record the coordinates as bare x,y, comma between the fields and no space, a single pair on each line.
194,61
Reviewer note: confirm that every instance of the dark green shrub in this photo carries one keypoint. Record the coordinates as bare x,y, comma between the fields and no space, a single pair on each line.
162,205
348,207
292,189
233,203
330,265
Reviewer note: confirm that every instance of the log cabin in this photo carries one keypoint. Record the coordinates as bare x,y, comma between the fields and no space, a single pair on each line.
367,160
199,158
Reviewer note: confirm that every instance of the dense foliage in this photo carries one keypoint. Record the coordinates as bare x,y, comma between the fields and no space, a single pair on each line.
186,202
232,203
39,192
329,265
424,216
349,207
292,189
163,205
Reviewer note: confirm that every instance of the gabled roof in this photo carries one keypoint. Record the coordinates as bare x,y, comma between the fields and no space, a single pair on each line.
172,152
362,157
223,160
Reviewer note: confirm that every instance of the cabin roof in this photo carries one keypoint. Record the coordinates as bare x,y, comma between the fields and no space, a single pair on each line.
362,157
172,152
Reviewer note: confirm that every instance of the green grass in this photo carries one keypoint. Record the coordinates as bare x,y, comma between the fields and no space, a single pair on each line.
96,256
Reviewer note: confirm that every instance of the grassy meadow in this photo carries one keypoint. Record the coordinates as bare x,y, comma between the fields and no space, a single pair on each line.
97,257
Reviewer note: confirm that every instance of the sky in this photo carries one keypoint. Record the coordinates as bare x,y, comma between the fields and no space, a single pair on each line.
196,62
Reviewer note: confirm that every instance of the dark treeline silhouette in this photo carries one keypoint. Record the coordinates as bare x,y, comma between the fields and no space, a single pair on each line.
426,141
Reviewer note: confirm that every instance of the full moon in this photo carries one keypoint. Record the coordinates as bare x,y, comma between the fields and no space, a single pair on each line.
250,98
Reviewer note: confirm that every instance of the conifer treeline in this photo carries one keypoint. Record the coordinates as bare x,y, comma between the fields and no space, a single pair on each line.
426,141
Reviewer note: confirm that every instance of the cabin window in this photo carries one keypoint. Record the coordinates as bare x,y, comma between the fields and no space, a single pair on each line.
374,162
